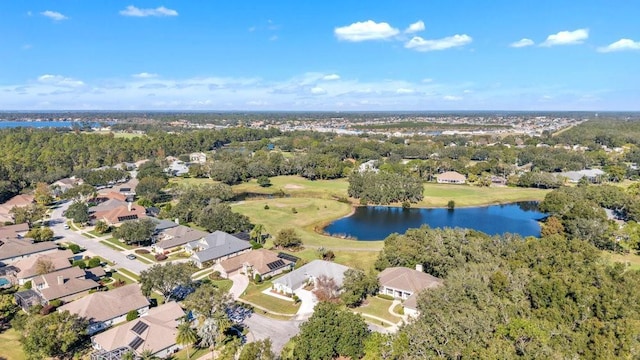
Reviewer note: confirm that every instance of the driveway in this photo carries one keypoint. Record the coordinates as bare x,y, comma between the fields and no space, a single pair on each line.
240,283
279,331
307,302
94,246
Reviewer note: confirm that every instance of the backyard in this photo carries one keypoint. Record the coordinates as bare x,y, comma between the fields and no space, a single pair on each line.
10,346
254,295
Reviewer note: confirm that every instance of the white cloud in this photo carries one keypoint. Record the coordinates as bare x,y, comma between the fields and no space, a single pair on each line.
144,75
365,30
404,91
273,38
54,15
419,44
415,27
522,43
58,80
318,90
621,45
137,12
452,98
427,80
331,77
567,38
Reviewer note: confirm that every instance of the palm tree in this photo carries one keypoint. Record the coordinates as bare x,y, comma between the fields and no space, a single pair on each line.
147,355
256,233
208,333
129,355
186,336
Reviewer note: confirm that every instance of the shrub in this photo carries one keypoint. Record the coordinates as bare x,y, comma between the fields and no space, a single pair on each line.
215,275
142,251
293,210
74,248
386,297
266,206
295,298
406,205
257,278
451,205
328,255
93,262
160,257
28,285
80,263
132,315
255,245
47,309
119,283
55,303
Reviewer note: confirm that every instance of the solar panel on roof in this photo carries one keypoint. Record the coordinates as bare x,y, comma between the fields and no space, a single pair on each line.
135,343
275,265
139,327
127,217
288,257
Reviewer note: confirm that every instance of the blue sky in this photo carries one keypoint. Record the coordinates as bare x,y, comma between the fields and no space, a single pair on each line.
320,55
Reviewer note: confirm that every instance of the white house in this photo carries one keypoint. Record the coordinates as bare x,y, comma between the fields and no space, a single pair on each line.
310,272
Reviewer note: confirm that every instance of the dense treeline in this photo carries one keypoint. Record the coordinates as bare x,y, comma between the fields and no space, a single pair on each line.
384,187
511,298
607,132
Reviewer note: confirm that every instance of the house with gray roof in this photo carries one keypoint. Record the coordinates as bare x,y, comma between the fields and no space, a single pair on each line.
179,235
216,246
310,272
13,249
592,175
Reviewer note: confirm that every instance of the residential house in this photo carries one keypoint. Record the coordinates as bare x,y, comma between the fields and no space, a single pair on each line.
140,163
451,177
310,272
216,246
179,235
368,166
63,185
260,262
116,211
198,157
498,180
17,231
16,201
28,267
405,284
155,331
66,284
104,309
591,175
13,249
177,168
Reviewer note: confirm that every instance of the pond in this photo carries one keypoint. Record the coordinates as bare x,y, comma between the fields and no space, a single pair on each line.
377,222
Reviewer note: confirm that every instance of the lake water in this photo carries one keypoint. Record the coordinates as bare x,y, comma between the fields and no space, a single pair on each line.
37,124
377,222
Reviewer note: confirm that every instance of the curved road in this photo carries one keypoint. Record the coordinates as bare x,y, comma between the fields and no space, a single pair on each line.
94,246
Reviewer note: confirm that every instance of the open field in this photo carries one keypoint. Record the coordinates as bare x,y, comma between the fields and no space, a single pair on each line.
438,195
297,186
631,260
10,348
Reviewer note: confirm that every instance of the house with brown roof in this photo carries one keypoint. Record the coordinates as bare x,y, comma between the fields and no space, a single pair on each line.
14,231
451,177
168,239
28,267
155,331
198,157
115,211
405,284
66,284
260,262
16,201
104,309
63,185
13,249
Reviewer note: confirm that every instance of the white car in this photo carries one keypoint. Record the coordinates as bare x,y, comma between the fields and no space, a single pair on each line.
66,227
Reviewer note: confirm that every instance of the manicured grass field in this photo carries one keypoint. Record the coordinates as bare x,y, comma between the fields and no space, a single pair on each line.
224,284
254,294
438,195
378,307
631,259
117,243
297,186
128,273
10,347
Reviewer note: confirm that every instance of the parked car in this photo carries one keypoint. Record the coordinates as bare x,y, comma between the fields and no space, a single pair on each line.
131,257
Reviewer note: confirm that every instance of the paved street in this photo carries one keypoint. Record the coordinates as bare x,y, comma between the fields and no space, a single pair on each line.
279,331
94,246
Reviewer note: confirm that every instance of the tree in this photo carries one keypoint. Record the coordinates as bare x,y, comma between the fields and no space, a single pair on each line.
43,194
40,234
357,286
150,169
78,212
208,302
80,192
101,227
132,315
256,233
219,216
331,332
44,266
55,335
93,262
165,278
136,232
326,289
186,336
8,309
151,188
147,355
208,333
29,214
264,181
287,238
258,350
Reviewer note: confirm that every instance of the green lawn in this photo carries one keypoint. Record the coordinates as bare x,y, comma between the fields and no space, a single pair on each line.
631,259
297,186
106,243
117,276
194,353
146,258
378,307
129,273
438,195
223,284
117,243
254,294
10,347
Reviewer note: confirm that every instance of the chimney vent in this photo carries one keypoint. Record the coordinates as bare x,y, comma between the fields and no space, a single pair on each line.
419,268
60,280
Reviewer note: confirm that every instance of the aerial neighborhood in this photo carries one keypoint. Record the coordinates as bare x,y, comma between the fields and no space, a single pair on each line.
252,243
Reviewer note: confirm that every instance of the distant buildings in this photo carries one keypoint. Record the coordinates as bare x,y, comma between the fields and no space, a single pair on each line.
451,177
591,175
